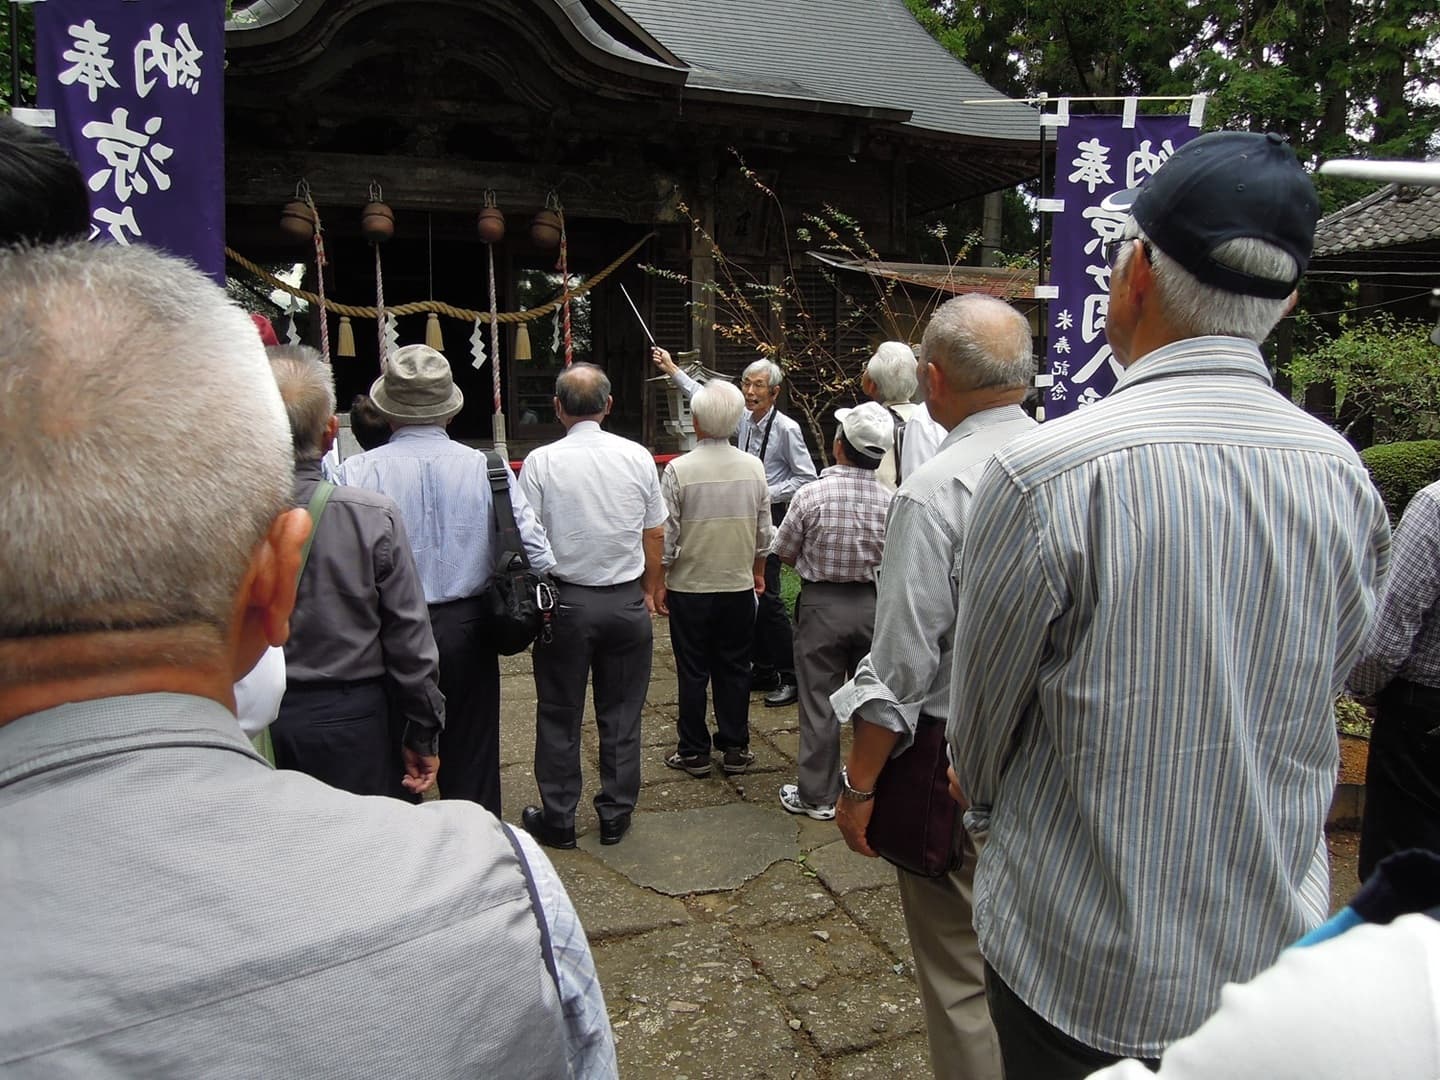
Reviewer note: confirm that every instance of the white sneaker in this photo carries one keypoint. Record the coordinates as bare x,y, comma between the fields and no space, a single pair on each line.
790,800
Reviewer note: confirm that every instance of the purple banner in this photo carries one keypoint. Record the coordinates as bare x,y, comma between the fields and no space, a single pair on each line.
1095,157
138,92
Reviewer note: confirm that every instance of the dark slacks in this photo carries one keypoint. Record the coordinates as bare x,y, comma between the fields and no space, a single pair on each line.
1034,1049
603,635
774,643
1402,779
834,622
710,634
338,733
470,681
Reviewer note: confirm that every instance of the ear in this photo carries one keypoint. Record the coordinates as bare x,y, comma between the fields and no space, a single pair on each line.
609,404
934,381
1292,301
332,431
273,575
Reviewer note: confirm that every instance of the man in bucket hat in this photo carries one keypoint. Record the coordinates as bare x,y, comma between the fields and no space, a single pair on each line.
1159,599
443,490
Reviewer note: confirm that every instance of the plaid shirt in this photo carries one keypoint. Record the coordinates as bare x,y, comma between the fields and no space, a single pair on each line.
835,529
1404,639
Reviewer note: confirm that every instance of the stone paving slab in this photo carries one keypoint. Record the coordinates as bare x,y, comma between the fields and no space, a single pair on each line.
687,1002
808,955
846,1015
877,912
843,871
783,894
702,850
905,1058
608,905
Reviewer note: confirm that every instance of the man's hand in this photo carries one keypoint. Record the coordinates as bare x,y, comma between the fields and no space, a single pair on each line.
760,583
420,770
656,601
955,792
662,360
853,819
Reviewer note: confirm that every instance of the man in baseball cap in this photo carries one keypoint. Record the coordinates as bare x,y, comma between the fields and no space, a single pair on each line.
1158,600
834,535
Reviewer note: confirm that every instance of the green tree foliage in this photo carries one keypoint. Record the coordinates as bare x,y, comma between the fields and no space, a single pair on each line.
25,18
1338,77
1383,370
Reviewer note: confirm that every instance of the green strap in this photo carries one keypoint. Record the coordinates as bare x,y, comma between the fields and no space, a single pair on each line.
318,501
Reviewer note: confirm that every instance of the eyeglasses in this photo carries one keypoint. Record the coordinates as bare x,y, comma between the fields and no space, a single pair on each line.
1112,249
755,384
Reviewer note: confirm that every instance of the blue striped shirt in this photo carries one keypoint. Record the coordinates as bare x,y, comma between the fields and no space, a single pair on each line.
1161,596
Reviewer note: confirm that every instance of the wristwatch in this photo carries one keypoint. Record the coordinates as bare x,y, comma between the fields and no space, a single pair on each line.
848,792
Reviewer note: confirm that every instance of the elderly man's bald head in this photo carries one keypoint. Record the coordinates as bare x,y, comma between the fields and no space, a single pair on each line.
980,343
583,391
146,449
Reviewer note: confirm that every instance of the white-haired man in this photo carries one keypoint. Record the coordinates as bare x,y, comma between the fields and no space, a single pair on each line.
443,490
598,497
173,906
717,536
362,708
834,535
891,378
979,362
1161,597
776,439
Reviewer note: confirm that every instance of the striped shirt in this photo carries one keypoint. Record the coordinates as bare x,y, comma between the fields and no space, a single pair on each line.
835,527
1404,641
1161,596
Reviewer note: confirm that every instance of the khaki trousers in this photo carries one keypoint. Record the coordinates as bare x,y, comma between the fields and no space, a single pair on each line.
951,972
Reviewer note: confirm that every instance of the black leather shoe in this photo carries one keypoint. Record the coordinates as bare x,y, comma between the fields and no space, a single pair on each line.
533,818
764,681
613,830
786,695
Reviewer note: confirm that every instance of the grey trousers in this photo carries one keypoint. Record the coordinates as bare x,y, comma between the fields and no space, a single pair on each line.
834,623
951,971
602,633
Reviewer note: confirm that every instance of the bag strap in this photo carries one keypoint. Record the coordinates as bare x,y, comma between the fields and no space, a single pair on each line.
316,509
498,469
899,439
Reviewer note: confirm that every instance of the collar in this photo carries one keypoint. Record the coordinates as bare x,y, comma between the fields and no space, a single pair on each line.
91,730
1211,355
420,431
582,427
309,470
848,470
763,416
977,422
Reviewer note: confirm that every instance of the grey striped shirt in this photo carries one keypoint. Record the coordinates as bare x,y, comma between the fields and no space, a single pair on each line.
1161,596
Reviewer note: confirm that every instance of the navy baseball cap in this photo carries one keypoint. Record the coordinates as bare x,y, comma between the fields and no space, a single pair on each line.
1223,186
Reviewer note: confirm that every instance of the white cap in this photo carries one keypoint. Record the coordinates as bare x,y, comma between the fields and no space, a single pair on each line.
869,428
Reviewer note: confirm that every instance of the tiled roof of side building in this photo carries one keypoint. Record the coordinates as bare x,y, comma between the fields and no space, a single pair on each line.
1392,216
861,52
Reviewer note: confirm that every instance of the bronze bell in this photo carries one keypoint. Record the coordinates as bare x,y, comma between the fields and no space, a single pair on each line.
491,225
545,230
297,221
377,222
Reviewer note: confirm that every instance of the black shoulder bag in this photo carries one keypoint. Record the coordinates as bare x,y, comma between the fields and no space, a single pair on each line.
521,601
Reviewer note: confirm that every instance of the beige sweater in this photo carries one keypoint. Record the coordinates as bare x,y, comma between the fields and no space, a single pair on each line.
719,506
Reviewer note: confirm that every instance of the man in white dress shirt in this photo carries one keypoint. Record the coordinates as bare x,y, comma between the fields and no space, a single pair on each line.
598,496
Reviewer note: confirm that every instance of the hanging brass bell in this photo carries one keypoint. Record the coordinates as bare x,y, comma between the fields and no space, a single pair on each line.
545,230
297,221
377,222
490,223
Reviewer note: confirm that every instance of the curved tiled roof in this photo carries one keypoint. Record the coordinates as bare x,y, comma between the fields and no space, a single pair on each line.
1392,216
868,56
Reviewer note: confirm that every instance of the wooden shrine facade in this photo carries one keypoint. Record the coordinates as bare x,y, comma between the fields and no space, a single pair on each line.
632,112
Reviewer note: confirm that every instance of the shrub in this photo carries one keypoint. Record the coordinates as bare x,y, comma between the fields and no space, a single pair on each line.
1401,469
